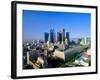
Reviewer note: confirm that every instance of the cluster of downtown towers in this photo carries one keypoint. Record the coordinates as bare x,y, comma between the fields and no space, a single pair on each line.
60,37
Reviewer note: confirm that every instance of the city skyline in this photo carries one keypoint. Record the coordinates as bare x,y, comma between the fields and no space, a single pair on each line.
36,23
53,37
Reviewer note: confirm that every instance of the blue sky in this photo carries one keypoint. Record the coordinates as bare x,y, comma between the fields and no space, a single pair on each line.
35,23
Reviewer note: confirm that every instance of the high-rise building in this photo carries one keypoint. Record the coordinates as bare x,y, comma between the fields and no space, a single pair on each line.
59,37
67,37
46,36
85,41
63,36
52,36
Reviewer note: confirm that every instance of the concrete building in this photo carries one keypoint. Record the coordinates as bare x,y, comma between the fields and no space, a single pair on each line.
85,41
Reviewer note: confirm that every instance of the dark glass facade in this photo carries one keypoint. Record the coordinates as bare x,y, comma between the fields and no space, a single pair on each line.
46,36
67,37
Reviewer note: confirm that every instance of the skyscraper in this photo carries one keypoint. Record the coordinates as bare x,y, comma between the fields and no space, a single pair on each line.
59,37
85,41
46,36
63,36
52,36
67,37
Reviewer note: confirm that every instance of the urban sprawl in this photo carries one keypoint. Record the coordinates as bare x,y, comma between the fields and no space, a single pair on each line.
56,50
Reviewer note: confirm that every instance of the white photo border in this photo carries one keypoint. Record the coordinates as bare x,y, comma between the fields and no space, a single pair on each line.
20,6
